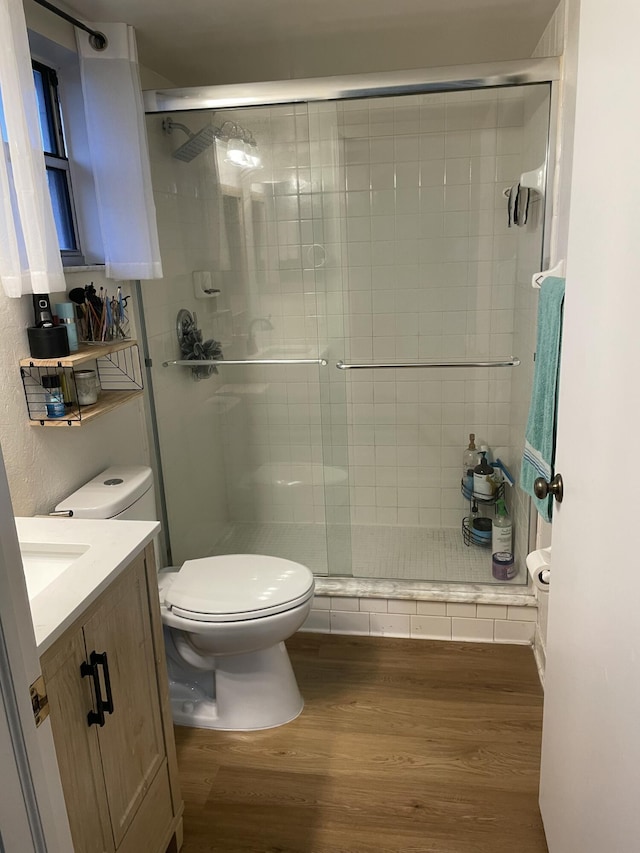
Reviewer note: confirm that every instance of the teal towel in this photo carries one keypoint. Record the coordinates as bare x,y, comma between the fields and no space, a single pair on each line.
540,436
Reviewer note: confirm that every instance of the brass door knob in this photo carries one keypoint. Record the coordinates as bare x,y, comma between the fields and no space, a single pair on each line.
555,487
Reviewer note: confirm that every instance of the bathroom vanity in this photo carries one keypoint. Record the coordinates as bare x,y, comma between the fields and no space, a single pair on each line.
99,635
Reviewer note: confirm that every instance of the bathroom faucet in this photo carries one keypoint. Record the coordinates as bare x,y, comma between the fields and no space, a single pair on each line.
264,325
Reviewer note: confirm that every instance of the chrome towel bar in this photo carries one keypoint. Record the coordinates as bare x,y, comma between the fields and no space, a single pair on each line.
512,362
341,365
222,362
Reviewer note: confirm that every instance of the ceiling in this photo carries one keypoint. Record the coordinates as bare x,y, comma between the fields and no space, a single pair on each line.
200,42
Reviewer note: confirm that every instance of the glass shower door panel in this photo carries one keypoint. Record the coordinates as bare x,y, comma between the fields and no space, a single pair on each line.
433,272
325,260
242,448
272,462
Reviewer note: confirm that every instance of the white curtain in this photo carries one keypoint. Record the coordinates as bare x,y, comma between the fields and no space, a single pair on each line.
29,250
120,159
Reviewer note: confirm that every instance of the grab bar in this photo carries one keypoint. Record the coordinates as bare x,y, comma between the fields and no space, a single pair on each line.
512,362
221,363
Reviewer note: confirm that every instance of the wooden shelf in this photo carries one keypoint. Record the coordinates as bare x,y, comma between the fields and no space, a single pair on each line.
118,369
87,352
76,417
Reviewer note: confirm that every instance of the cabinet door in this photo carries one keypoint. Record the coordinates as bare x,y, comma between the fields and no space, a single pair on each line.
70,700
131,741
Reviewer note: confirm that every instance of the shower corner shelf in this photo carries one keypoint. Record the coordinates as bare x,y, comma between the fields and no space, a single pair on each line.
119,374
471,538
482,499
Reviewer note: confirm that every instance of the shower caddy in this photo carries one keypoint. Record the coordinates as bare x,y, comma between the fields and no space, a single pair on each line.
468,535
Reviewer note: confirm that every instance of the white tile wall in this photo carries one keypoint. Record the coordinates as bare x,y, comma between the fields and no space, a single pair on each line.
432,620
375,230
430,273
188,212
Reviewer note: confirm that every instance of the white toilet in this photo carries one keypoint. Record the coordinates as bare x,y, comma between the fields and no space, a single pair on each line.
226,618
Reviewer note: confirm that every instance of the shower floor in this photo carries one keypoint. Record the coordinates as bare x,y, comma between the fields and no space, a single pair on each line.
408,553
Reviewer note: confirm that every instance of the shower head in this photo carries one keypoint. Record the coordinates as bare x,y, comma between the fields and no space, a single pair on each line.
195,144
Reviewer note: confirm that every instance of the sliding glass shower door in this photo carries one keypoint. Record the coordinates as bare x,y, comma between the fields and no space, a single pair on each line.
438,271
337,251
253,448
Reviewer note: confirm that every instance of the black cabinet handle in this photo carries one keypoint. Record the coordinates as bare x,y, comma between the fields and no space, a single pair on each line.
101,660
91,670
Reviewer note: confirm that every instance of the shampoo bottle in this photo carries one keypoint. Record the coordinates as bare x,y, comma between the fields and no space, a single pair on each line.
502,530
502,563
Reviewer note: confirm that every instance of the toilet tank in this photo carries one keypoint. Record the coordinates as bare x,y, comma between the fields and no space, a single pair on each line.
123,492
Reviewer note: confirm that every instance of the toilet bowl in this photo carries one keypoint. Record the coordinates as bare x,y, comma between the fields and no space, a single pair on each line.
225,618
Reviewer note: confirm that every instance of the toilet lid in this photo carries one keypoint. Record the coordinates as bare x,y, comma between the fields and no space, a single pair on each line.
238,586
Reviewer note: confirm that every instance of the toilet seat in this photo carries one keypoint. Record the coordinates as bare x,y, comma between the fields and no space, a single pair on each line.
237,587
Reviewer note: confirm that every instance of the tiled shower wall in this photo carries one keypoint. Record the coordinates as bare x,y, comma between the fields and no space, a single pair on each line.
413,186
375,231
430,274
189,419
231,442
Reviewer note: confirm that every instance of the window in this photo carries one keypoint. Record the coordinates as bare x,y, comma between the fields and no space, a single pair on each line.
57,163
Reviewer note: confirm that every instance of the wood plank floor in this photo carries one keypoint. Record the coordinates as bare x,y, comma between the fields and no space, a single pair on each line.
404,746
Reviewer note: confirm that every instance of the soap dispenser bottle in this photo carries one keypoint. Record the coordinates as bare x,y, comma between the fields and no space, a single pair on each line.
484,484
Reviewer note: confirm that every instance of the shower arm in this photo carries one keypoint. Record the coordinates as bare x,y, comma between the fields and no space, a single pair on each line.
169,125
234,130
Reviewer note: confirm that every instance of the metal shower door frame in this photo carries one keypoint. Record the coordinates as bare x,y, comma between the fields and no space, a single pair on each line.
450,78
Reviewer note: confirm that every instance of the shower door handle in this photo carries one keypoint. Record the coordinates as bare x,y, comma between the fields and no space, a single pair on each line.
554,487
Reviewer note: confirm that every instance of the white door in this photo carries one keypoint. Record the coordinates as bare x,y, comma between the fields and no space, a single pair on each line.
590,781
32,811
15,832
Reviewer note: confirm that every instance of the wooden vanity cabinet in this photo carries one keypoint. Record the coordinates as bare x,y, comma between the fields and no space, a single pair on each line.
120,778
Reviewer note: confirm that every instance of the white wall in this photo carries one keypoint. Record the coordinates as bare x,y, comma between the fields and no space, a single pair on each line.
302,40
43,465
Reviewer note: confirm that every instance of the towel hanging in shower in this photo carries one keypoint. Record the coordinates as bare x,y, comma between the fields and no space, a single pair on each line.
540,435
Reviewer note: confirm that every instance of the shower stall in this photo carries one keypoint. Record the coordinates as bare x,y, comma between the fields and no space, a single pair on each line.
349,245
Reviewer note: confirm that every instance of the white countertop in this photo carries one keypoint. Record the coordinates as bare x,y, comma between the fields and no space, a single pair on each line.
110,547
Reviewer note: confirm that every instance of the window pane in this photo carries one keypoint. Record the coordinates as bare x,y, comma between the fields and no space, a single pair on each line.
59,190
47,130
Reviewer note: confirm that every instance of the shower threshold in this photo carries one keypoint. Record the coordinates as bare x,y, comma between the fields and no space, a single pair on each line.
386,555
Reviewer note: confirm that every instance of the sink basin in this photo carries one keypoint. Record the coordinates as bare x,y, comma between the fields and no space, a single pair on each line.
44,562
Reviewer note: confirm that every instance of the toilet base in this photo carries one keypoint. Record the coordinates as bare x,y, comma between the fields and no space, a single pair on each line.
253,691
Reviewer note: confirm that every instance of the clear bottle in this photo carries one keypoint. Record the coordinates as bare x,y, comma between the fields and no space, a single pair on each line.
469,457
54,399
484,484
502,535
